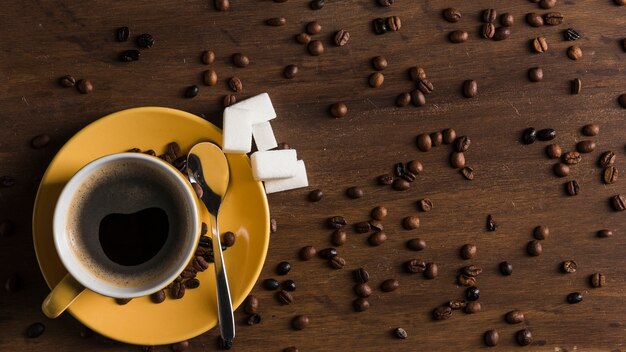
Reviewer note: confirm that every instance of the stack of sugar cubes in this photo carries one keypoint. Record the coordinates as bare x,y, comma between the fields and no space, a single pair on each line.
279,169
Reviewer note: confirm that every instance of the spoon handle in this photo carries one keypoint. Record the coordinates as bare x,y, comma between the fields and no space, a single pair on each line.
224,304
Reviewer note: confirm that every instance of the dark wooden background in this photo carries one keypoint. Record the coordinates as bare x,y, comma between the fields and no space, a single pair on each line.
44,40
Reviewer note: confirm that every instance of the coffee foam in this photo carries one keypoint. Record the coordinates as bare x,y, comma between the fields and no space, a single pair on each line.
127,186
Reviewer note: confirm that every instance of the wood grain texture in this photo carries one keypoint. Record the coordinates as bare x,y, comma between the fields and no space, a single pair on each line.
44,40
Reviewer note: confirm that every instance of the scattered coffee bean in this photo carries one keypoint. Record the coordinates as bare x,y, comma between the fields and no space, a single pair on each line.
501,33
336,222
506,268
380,26
228,239
210,77
431,271
129,55
452,14
541,232
208,57
561,170
240,60
12,284
379,63
410,222
339,237
574,52
403,99
462,143
276,22
534,248
607,159
342,37
524,337
360,304
491,338
553,151
514,317
303,38
362,290
307,252
464,280
177,290
229,99
425,204
315,47
609,175
145,41
534,19
376,80
572,188
415,166
553,18
385,180
489,15
273,225
418,98
622,98
122,34
576,86
389,285
313,27
158,297
400,184
468,251
315,195
290,71
284,297
507,19
620,2
337,262
234,83
400,333
425,86
283,268
470,88
442,313
591,130
569,266
597,280
618,202
40,141
361,275
385,3
362,227
472,293
535,74
547,4
191,91
488,30
84,86
270,284
417,73
605,233
123,301
416,244
251,305
317,4
354,192
572,158
35,330
376,239
457,304
529,136
436,138
415,266
393,23
222,5
457,160
253,319
458,36
586,146
540,44
574,297
379,213
571,35
67,81
491,224
300,322
468,173
200,264
376,225
473,307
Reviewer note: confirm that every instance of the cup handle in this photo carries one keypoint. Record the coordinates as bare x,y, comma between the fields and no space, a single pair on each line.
61,296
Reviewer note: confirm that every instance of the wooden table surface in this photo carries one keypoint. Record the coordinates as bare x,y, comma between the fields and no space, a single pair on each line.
44,40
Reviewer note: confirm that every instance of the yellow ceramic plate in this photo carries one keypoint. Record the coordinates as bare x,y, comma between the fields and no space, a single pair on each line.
244,212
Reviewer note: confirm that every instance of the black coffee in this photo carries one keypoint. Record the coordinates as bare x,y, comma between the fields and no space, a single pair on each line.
133,239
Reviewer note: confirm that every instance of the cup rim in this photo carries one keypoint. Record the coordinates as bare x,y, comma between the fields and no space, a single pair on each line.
72,264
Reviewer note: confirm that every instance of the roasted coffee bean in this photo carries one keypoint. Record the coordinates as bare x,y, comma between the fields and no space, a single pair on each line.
618,202
123,301
591,130
400,333
416,244
342,37
336,222
415,166
122,34
289,285
191,91
385,180
535,74
158,297
586,146
12,284
228,239
574,52
561,170
251,305
192,283
284,297
417,73
442,313
569,266
380,26
84,86
400,184
571,35
276,22
489,15
410,222
409,176
468,173
431,271
361,275
458,36
418,98
379,63
452,14
67,81
253,319
354,192
339,237
572,188
145,41
529,135
208,57
200,264
416,266
270,284
229,99
491,338
610,174
425,86
241,60
534,248
501,33
190,271
376,225
620,2
290,71
35,330
576,86
313,27
457,304
317,4
362,227
534,19
597,280
457,160
547,4
506,268
379,213
337,262
607,159
360,304
425,204
376,80
180,163
222,5
389,285
303,38
514,317
540,45
464,280
177,290
541,232
40,141
234,83
488,30
470,88
473,307
553,18
553,151
376,239
307,252
468,251
524,337
130,55
572,158
491,224
339,109
362,290
316,195
507,19
205,241
471,270
327,253
315,47
393,23
283,268
605,233
436,138
622,98
574,297
385,3
462,143
300,322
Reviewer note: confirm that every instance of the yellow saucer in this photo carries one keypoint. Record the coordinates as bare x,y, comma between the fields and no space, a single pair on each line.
244,212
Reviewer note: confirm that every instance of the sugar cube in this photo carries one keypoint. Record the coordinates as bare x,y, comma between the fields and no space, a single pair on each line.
258,108
284,184
237,133
264,136
274,164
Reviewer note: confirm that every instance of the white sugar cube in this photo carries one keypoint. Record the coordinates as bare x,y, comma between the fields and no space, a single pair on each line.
237,133
264,136
274,164
258,109
284,184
